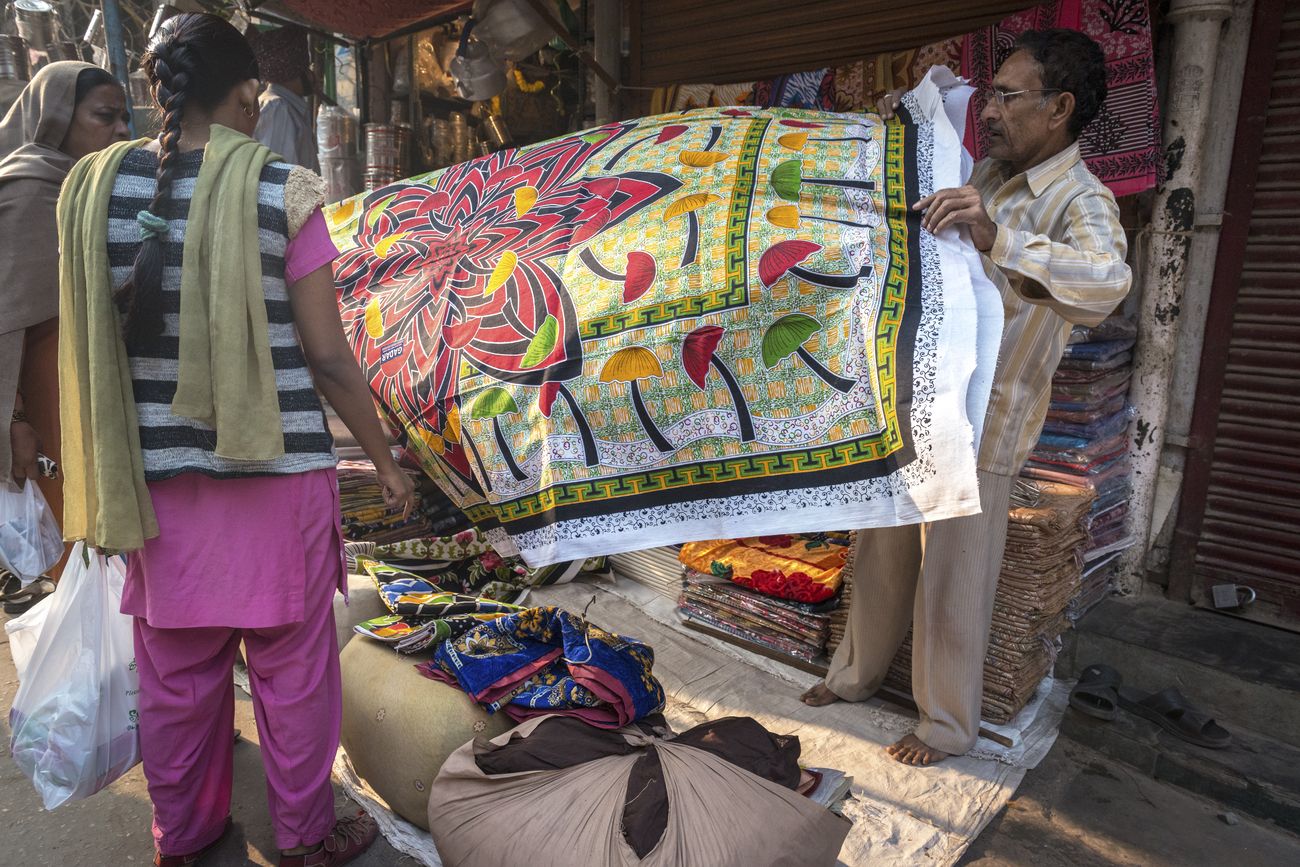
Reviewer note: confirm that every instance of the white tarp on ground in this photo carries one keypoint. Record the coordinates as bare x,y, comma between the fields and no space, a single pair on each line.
902,815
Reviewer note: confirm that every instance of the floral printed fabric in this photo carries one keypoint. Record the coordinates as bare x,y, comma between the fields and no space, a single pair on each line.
642,333
550,661
802,568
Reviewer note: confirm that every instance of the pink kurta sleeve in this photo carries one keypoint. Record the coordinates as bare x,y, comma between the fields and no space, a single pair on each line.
310,249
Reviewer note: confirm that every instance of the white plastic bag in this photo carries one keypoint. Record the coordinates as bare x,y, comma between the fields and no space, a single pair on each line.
23,631
75,718
30,541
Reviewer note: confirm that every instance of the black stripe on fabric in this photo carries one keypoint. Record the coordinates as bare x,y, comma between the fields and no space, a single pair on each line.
173,472
168,349
121,254
161,391
181,437
125,207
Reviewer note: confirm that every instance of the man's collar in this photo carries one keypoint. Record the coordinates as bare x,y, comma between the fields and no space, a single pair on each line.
285,93
1041,176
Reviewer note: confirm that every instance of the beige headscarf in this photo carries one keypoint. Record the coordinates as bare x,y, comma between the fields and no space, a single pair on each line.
32,168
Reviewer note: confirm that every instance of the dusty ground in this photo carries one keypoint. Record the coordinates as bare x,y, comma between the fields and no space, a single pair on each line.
1076,810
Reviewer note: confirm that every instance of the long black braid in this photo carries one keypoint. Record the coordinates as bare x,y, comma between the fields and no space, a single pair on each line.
195,60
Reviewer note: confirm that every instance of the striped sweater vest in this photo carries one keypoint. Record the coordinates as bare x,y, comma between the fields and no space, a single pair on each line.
172,445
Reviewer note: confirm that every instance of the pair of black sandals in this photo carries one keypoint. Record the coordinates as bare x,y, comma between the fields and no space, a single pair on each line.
15,598
1100,693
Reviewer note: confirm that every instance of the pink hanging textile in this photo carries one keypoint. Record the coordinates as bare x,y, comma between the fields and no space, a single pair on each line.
1122,144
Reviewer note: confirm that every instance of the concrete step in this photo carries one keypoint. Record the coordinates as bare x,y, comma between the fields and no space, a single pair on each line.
1246,675
1257,776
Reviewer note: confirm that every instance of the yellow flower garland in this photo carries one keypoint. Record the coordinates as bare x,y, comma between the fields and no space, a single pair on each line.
528,86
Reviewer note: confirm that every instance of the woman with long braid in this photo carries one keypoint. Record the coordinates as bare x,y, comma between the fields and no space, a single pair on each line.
199,320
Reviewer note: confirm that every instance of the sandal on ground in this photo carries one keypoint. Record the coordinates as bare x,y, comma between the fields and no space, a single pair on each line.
349,839
1096,694
161,860
1170,710
23,599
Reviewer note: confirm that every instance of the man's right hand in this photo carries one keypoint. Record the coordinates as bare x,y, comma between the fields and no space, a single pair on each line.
24,446
890,101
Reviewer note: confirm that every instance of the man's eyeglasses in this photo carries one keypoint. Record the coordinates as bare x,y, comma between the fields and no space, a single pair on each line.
1002,97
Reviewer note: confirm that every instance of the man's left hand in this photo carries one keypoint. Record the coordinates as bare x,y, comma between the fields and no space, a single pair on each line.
959,206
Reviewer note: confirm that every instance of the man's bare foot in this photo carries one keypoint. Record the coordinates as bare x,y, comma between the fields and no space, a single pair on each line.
819,696
911,750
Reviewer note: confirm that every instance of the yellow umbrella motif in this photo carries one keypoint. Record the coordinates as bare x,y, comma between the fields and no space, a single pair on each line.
631,365
701,159
687,206
796,141
788,217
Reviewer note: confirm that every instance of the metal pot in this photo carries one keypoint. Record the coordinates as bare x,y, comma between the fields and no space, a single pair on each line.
13,58
37,21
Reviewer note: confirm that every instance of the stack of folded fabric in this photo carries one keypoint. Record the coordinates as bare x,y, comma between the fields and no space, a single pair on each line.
783,627
776,592
1084,442
1041,571
438,588
365,517
657,568
839,618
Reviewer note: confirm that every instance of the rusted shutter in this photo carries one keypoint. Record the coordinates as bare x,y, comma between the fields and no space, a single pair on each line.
1250,530
720,41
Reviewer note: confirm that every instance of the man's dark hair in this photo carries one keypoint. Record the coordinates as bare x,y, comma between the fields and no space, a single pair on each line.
1073,63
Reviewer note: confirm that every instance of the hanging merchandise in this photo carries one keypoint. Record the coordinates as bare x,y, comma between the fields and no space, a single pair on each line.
511,29
477,73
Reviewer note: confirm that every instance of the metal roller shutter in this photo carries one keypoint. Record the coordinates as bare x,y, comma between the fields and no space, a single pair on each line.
719,41
1246,477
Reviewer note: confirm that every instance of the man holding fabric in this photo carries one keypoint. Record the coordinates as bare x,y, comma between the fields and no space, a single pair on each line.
1051,240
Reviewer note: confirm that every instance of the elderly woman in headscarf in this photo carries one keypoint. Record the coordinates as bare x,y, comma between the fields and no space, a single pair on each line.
68,110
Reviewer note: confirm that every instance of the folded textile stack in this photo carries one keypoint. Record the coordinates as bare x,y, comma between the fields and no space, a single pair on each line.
783,627
656,568
1041,569
1084,442
365,517
839,618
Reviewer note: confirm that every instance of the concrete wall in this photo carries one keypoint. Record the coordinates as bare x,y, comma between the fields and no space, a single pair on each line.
1220,134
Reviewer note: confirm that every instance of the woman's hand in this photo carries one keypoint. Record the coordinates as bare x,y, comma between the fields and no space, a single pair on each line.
399,490
24,445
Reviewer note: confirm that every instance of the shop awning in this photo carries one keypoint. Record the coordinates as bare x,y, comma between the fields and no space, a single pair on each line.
365,19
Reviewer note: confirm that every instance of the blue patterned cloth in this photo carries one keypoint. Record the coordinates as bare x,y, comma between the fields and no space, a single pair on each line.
547,661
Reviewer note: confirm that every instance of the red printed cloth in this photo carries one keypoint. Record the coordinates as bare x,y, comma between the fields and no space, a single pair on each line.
1122,144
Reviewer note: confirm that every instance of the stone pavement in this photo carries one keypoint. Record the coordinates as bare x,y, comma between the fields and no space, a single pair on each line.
1076,810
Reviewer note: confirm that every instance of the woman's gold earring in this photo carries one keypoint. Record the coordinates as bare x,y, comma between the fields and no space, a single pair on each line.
248,110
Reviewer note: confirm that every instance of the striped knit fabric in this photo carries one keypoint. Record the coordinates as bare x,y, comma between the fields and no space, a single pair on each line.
173,445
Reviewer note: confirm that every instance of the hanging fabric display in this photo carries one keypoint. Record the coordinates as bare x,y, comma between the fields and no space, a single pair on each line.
701,325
